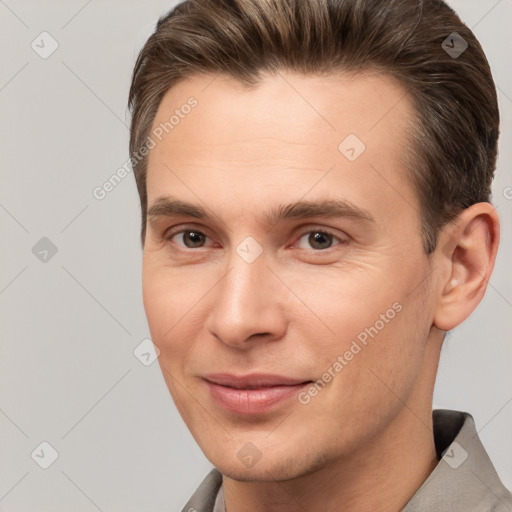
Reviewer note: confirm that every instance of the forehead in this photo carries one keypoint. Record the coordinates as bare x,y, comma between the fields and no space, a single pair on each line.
310,107
289,130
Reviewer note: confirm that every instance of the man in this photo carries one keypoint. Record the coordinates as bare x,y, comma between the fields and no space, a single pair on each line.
315,180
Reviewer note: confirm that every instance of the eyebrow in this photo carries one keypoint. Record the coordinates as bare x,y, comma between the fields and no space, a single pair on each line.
333,208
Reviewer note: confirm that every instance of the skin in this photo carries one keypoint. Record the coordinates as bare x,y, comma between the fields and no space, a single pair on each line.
365,440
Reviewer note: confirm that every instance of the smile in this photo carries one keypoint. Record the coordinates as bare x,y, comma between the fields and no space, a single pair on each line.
252,394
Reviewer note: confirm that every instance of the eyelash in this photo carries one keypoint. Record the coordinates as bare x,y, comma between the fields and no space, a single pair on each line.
171,234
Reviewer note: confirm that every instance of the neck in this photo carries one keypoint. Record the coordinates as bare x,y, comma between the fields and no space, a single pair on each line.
371,479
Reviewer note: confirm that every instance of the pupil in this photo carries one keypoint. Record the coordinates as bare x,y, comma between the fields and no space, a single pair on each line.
195,238
320,239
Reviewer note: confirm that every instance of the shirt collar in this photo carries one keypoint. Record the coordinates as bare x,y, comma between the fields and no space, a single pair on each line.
464,479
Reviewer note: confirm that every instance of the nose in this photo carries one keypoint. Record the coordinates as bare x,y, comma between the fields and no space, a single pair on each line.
248,304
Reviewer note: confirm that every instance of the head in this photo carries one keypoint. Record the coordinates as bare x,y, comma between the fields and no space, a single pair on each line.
333,163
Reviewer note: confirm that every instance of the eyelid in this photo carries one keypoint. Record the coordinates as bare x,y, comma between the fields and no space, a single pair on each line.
169,233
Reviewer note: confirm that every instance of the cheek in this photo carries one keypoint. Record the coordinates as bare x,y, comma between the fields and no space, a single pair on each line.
338,304
373,379
167,303
163,312
158,304
366,315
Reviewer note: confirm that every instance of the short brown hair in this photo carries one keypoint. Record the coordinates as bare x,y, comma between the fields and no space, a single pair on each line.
455,134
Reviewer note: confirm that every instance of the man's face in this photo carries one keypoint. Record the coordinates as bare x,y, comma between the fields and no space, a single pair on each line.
337,303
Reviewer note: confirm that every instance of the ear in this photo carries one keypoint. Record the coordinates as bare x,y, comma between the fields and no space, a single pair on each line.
466,253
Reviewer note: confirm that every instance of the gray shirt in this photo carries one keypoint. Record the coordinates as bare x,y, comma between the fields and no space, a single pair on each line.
464,480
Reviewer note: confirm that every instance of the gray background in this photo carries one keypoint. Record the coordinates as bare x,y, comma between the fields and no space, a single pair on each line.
70,324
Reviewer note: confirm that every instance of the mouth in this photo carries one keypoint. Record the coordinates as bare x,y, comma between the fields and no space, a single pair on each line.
254,393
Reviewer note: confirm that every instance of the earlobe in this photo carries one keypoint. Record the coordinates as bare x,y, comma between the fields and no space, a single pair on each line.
466,252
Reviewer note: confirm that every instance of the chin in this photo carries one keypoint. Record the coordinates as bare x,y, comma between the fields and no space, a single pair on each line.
270,469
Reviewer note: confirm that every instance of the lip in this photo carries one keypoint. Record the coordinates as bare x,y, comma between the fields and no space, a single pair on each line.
251,394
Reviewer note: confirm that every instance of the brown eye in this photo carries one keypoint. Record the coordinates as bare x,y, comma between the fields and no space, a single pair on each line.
320,240
317,240
192,239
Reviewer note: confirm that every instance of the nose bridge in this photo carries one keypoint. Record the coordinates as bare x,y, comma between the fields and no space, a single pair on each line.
245,301
241,297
